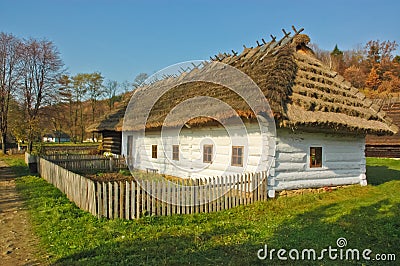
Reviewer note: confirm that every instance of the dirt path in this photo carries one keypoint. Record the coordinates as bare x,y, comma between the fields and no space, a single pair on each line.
17,242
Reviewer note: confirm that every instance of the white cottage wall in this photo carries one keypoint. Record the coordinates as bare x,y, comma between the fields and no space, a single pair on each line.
343,160
191,141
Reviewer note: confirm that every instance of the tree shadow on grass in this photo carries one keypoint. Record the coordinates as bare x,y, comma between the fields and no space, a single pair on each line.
378,175
188,249
374,226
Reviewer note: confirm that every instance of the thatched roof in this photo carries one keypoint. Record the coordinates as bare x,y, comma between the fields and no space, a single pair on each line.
301,91
56,134
391,105
111,121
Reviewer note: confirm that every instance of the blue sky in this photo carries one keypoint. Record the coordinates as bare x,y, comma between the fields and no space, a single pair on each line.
123,38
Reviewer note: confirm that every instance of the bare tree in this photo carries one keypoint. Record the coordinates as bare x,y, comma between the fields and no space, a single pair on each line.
96,91
111,89
10,57
42,66
79,93
126,86
86,86
66,98
321,54
139,79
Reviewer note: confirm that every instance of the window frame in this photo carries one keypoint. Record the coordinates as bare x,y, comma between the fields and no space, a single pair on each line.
154,151
129,145
208,154
320,155
175,152
235,157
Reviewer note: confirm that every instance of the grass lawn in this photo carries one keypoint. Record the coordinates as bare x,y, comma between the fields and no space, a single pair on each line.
368,217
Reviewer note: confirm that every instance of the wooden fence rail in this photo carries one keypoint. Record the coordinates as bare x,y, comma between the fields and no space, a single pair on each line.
131,199
87,163
83,150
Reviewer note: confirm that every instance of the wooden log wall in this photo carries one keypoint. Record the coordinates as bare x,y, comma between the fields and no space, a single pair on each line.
112,141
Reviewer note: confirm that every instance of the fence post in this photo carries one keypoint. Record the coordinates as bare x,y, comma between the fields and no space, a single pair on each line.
121,199
138,200
111,163
126,200
110,200
153,197
133,199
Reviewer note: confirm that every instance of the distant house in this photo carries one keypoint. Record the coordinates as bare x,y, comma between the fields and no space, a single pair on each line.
110,127
56,136
321,123
386,146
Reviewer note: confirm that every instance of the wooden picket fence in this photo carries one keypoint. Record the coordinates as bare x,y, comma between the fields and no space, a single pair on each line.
57,149
86,163
132,200
77,188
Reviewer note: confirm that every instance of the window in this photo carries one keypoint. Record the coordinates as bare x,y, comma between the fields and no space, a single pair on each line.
153,151
207,153
315,157
129,146
237,156
175,152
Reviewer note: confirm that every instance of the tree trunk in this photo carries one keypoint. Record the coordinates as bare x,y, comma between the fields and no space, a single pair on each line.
3,141
82,133
30,146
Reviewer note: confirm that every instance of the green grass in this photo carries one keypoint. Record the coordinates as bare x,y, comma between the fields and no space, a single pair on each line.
18,164
368,217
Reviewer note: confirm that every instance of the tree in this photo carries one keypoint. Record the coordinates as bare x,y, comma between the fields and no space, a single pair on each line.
95,90
42,66
337,62
126,86
111,89
10,56
322,55
66,98
139,79
379,54
373,81
355,76
396,59
88,85
79,92
17,117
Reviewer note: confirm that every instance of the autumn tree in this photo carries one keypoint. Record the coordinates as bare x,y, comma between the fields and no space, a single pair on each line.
42,67
355,76
396,59
10,71
372,68
373,81
379,54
